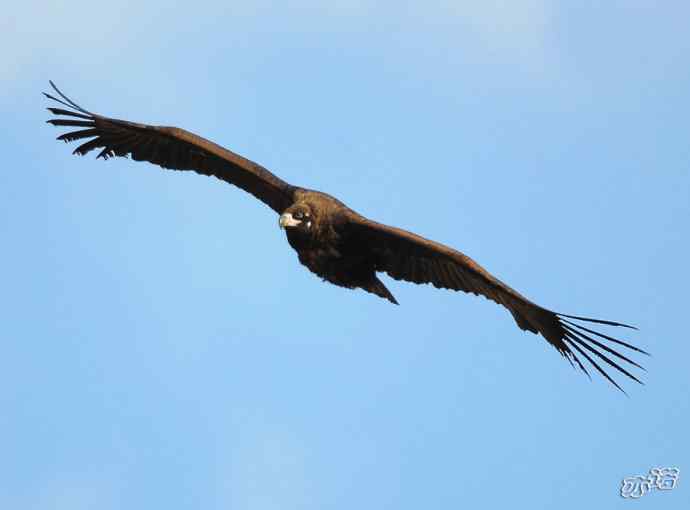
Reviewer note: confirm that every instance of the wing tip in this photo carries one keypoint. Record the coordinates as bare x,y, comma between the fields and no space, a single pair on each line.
66,101
598,321
578,338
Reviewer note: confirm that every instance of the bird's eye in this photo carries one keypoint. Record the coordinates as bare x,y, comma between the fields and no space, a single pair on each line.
297,215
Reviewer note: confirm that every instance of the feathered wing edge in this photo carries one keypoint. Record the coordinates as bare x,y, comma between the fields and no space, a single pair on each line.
66,101
88,123
579,339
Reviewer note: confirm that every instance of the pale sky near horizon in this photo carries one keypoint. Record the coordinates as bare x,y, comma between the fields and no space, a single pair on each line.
162,346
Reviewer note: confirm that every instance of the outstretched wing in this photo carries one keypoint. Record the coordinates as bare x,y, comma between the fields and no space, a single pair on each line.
168,147
407,256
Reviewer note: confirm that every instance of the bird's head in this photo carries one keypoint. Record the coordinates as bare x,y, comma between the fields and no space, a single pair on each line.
298,217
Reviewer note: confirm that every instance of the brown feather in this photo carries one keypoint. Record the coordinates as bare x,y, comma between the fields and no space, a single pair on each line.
173,148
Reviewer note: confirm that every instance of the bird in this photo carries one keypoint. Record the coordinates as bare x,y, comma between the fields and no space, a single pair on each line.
340,245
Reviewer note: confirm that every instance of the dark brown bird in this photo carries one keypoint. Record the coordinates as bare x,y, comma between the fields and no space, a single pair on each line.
333,241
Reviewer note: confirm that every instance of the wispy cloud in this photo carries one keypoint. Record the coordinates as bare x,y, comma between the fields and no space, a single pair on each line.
517,27
35,34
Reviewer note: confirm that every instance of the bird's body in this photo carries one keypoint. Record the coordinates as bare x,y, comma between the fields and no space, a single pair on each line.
333,241
327,248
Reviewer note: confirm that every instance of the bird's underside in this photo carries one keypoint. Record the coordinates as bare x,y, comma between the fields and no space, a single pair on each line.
336,243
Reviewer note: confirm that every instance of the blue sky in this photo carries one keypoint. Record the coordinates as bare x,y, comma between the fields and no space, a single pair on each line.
163,348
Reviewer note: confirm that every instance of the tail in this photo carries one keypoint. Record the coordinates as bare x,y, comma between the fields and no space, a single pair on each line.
376,286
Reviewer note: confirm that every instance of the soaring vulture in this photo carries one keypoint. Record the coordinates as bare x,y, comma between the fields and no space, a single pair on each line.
336,243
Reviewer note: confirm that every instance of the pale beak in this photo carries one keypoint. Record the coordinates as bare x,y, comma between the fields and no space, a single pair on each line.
286,220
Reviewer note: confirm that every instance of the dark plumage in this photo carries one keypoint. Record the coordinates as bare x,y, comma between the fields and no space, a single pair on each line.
336,243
